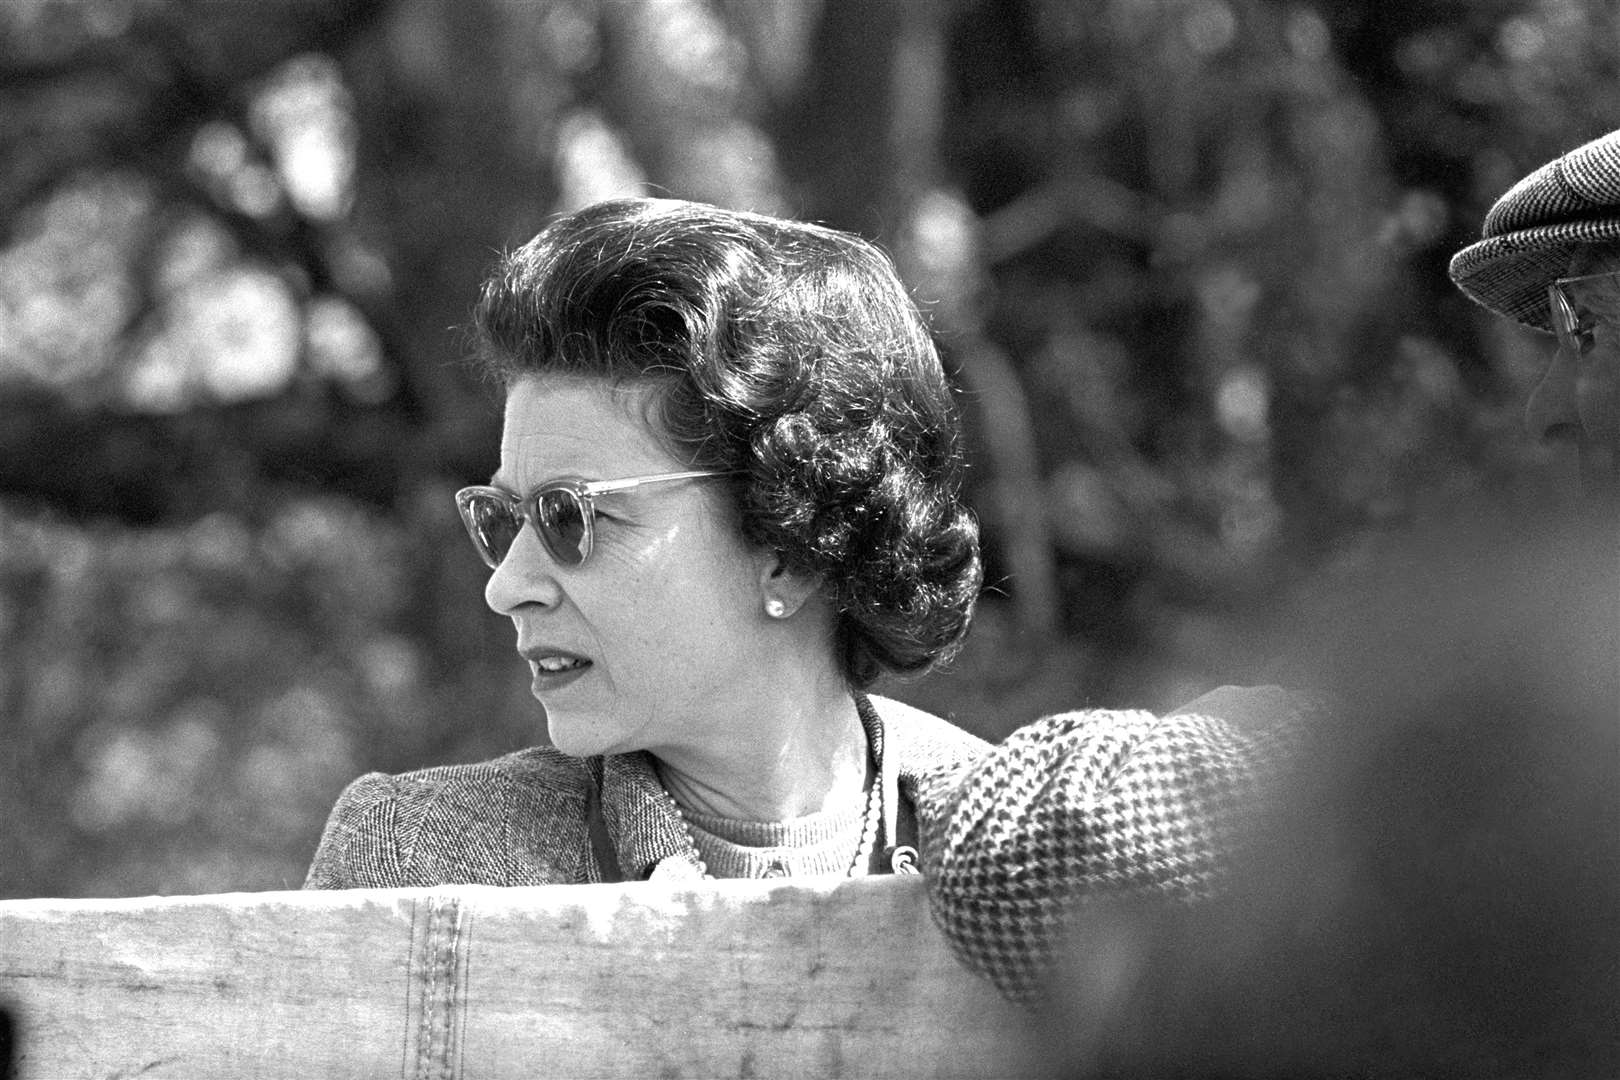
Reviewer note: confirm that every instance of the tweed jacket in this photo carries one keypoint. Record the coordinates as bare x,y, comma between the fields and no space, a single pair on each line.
522,819
1078,805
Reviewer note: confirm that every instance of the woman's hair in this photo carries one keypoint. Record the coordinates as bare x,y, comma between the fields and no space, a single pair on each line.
789,355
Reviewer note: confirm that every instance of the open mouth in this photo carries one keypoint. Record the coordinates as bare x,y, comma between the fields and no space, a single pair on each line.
557,664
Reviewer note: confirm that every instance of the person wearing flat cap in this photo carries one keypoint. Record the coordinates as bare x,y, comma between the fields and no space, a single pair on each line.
1051,817
1549,258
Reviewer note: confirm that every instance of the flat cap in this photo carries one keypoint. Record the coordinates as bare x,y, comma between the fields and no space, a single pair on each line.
1533,230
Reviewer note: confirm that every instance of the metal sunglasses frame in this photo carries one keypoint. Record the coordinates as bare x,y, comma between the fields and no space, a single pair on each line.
1566,321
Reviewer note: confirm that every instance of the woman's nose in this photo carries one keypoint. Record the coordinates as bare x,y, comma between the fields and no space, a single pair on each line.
526,576
1553,411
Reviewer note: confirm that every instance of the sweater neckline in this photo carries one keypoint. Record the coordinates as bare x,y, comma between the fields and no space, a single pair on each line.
651,835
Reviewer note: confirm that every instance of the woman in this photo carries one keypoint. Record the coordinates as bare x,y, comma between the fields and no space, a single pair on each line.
726,503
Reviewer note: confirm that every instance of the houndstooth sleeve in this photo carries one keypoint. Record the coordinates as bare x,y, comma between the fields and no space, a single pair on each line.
1093,803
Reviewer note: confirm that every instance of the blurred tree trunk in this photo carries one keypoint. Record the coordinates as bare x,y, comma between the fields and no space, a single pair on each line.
837,130
451,167
860,144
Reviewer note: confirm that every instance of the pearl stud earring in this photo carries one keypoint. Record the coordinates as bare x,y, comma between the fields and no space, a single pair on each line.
775,608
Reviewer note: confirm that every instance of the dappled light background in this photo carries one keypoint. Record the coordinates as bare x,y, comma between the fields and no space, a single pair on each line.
1185,259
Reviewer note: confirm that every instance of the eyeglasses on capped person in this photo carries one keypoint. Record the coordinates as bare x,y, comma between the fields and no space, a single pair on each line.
562,512
1571,323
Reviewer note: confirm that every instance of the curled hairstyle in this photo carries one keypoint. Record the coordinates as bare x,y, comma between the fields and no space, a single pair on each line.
790,356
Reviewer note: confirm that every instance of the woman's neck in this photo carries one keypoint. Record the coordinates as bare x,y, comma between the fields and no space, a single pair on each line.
808,756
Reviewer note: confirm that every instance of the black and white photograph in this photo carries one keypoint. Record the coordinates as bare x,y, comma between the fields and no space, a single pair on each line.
1069,539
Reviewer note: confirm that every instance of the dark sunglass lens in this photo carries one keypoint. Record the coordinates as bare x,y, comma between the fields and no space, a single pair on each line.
562,526
495,525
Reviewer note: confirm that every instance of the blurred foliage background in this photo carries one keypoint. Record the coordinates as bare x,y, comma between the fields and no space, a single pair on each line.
1186,259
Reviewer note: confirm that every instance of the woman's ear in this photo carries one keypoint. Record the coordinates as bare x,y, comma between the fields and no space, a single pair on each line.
783,590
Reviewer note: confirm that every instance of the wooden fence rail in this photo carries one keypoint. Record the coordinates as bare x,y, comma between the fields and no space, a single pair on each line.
819,978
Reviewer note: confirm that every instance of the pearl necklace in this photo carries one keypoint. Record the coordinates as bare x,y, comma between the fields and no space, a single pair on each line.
870,820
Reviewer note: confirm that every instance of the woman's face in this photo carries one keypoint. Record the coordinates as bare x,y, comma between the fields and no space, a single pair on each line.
654,642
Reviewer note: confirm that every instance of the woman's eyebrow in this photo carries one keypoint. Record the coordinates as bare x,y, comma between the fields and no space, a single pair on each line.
497,481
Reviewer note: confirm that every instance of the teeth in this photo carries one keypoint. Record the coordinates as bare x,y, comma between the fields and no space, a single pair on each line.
556,663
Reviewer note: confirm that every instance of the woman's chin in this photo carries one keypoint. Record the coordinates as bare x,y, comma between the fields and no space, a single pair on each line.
576,736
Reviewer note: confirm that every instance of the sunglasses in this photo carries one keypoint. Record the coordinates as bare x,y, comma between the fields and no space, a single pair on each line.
563,513
1573,326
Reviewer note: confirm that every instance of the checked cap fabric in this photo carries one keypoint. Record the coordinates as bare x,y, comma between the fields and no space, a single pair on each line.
1092,805
1533,230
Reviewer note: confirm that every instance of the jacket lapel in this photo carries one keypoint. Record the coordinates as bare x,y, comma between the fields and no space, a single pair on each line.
642,820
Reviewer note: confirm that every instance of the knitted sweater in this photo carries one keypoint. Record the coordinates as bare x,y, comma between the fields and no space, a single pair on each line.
1077,805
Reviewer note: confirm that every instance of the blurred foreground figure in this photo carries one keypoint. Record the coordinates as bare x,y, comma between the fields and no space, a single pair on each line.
1435,891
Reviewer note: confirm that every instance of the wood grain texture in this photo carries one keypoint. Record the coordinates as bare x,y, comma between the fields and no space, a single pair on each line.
818,978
